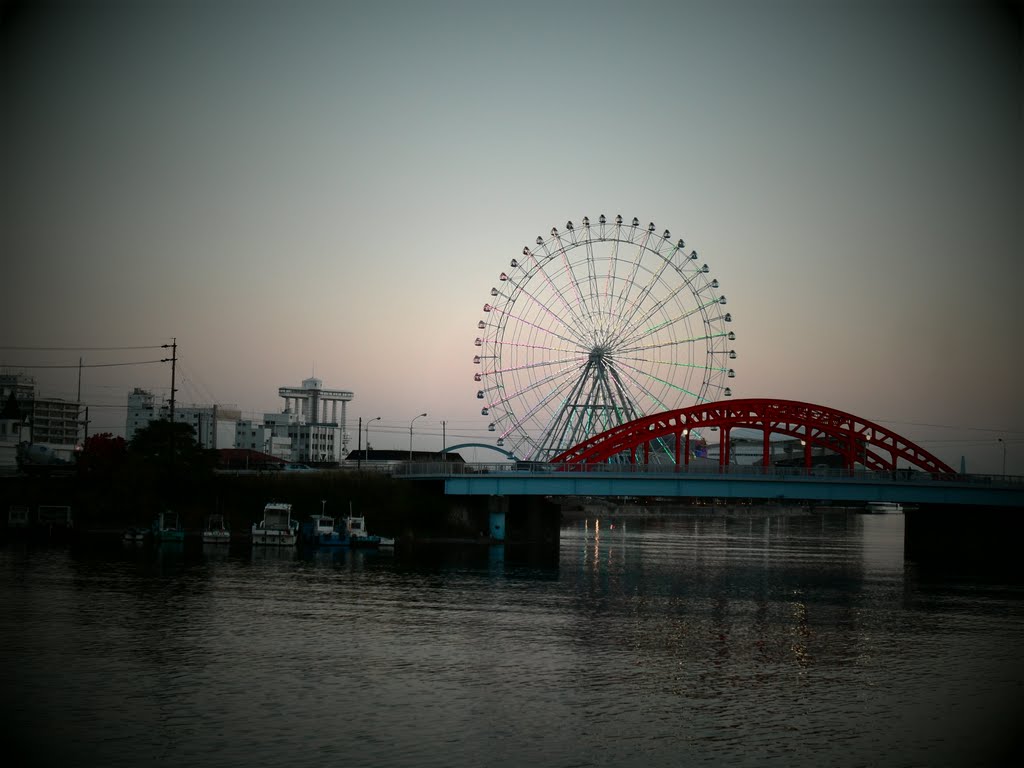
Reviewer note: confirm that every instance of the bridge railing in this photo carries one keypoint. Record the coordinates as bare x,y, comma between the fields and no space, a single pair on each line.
739,471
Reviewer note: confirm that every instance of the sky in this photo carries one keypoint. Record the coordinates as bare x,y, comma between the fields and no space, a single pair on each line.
332,188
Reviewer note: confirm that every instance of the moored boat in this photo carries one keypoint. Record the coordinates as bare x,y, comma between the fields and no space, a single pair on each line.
216,531
276,529
321,531
167,528
134,535
355,528
17,516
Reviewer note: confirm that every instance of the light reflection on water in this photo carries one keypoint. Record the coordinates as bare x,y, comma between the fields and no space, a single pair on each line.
796,640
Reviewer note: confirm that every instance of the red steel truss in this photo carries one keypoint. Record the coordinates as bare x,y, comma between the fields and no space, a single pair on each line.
856,440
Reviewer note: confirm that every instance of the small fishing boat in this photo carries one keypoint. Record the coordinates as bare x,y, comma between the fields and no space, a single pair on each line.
167,528
216,532
320,531
276,529
17,516
355,527
134,535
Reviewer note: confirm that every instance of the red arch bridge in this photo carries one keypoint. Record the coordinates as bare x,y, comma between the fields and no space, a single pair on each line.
655,456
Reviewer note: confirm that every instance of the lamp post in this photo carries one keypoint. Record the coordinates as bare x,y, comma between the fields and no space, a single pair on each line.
444,443
1003,443
368,423
410,433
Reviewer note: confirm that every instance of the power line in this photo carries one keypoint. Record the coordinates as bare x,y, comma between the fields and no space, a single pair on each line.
90,365
946,426
76,349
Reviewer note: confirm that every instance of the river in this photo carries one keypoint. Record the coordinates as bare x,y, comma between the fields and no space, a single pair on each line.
691,641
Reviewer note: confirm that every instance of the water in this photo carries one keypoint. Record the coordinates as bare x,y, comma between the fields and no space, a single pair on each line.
799,641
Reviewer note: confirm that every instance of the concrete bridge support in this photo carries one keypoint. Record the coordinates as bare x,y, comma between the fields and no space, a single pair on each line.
521,518
497,508
513,519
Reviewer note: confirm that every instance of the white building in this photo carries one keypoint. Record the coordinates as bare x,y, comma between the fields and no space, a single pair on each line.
312,420
49,420
142,409
311,427
13,430
261,437
214,425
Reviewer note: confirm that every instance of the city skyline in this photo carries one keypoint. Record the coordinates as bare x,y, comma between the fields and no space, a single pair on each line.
332,190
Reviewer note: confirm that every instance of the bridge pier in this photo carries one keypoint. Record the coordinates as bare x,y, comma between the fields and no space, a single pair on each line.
513,519
522,519
950,536
497,507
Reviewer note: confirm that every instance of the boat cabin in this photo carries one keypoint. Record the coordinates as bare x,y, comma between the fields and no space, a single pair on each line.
17,517
355,527
54,515
277,517
322,524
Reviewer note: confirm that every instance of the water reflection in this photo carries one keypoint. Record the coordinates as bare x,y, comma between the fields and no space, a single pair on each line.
273,554
216,552
800,641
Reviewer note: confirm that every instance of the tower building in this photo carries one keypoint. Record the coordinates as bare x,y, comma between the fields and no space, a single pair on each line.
311,403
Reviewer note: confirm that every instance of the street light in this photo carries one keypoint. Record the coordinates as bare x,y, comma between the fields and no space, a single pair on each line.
410,433
368,423
1003,443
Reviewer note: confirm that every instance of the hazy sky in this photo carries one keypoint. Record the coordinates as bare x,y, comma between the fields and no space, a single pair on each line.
300,186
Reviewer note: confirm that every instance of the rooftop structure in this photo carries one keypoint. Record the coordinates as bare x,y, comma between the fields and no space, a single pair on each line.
311,403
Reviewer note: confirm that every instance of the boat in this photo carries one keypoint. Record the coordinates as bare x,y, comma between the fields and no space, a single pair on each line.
885,508
276,529
167,528
355,528
134,535
320,531
17,516
216,532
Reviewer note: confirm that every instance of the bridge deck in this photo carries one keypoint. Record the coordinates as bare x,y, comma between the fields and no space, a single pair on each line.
730,482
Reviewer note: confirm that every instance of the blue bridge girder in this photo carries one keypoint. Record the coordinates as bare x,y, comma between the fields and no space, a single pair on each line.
730,482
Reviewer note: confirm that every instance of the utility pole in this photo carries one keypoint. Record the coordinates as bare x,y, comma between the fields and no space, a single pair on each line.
359,445
174,363
78,402
173,360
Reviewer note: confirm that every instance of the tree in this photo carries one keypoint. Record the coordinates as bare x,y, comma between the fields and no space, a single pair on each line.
102,455
168,451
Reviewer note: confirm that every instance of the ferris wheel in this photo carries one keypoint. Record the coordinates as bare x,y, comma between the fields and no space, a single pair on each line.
594,326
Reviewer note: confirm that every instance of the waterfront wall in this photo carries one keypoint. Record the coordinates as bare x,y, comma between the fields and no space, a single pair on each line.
404,509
